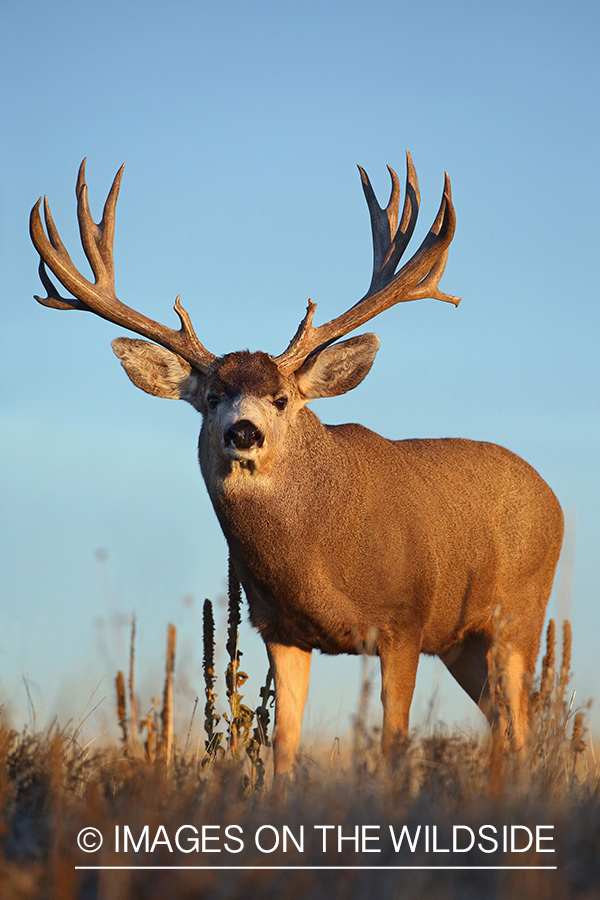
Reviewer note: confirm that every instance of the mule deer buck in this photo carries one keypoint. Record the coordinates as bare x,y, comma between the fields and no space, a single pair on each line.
336,533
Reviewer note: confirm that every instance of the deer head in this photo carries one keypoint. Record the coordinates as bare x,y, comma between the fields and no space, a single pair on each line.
249,400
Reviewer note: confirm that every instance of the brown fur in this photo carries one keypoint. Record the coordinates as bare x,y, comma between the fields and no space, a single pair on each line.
420,539
335,531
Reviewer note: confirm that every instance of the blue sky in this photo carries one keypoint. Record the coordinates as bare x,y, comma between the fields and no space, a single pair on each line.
241,125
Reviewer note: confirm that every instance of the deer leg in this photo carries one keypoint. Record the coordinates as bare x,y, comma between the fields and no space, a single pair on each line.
398,674
469,663
291,670
514,693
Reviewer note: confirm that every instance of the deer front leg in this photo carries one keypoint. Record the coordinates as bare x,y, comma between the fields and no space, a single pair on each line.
291,670
398,674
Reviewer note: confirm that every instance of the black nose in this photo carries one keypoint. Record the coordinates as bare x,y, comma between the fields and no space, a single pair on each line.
244,435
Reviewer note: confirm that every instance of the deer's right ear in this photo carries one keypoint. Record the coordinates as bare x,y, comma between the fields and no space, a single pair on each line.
158,371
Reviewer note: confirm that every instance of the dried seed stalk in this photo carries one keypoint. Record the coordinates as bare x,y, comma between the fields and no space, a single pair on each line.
150,743
166,742
548,666
122,709
211,718
234,593
564,676
267,694
132,704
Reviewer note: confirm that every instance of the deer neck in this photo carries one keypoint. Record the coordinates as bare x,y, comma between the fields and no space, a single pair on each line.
270,497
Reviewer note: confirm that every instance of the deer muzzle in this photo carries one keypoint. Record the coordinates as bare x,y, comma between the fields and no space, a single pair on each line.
243,435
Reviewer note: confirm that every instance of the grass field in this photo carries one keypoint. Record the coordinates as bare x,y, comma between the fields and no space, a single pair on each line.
458,817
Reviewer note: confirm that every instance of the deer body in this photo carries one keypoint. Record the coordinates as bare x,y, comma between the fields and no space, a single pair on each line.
342,539
343,535
320,574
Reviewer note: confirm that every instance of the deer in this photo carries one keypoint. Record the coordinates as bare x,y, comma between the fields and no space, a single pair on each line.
342,539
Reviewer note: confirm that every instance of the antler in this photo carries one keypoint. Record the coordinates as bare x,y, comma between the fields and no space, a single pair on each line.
100,297
417,279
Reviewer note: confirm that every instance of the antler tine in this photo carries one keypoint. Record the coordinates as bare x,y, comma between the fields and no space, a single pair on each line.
390,239
384,222
92,234
107,224
417,279
52,230
100,297
54,244
97,239
53,298
53,253
440,234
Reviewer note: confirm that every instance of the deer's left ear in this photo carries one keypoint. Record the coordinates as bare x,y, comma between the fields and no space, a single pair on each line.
337,369
158,371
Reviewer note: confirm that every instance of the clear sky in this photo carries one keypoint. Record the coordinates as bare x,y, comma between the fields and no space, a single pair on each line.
241,125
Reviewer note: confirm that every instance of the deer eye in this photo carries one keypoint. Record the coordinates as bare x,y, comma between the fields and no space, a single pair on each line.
281,403
213,401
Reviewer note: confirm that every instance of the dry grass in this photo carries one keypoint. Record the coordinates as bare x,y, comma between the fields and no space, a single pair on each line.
51,787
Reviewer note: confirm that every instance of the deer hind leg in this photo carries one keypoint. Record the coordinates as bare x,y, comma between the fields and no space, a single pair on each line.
398,674
511,707
291,668
469,663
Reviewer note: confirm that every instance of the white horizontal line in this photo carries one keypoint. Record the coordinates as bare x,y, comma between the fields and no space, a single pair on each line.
329,868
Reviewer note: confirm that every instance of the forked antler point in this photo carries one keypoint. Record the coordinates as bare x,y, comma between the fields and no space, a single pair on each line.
100,297
417,279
